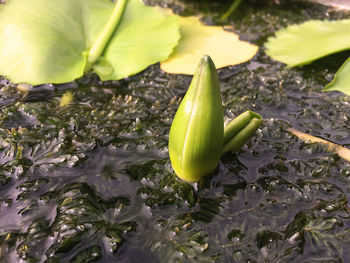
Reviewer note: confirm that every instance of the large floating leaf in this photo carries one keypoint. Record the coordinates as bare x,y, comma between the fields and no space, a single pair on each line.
45,41
144,36
224,47
42,41
301,44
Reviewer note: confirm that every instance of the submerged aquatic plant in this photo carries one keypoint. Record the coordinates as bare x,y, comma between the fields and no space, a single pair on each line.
197,136
235,4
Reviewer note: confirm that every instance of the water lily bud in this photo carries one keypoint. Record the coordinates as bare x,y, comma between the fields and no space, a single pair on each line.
197,132
240,130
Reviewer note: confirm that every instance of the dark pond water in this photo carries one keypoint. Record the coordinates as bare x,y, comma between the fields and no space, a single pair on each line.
92,182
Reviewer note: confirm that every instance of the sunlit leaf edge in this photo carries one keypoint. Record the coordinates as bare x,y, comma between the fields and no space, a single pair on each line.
341,80
301,44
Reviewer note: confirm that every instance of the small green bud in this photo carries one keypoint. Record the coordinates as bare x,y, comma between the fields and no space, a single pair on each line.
197,133
240,130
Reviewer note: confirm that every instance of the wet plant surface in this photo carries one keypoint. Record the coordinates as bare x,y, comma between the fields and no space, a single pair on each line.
92,181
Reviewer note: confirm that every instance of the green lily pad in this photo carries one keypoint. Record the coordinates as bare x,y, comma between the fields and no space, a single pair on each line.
144,36
45,41
302,44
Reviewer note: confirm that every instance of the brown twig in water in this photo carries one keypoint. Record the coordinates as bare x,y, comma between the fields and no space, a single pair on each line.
332,147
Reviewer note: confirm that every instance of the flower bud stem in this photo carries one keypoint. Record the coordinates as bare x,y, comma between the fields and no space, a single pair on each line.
99,46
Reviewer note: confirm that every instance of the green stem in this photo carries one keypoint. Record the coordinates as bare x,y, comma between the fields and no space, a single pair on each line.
232,8
240,130
98,47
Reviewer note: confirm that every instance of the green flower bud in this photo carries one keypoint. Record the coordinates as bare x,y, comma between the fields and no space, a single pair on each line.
197,136
197,133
